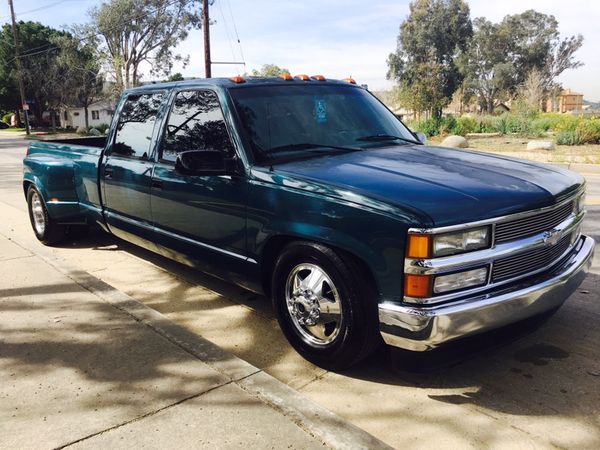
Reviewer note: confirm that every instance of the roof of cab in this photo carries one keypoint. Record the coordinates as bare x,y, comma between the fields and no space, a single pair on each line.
228,83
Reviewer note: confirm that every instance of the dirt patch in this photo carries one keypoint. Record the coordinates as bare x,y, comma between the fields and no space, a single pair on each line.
517,147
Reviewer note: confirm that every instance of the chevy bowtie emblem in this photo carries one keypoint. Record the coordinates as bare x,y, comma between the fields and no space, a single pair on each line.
552,237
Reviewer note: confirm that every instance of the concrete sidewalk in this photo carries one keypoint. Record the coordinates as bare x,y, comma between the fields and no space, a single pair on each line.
84,365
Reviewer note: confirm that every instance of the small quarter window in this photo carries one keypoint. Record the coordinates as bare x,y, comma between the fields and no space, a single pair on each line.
196,123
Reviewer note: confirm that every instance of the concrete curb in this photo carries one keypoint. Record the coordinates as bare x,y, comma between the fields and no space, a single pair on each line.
334,431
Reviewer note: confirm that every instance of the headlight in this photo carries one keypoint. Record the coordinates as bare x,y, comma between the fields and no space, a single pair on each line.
460,280
461,241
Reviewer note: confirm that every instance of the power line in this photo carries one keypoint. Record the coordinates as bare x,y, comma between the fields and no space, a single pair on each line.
227,31
31,52
37,9
236,32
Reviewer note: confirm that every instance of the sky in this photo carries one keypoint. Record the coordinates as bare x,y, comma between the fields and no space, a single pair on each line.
336,38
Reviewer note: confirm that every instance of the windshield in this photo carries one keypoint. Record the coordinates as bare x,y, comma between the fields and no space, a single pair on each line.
281,120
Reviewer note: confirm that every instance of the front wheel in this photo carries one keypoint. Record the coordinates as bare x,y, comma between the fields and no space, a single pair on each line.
45,228
326,311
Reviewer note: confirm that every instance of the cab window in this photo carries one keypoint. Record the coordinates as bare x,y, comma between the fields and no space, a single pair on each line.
136,124
195,123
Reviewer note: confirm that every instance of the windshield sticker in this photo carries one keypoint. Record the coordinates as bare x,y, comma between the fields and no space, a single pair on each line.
320,110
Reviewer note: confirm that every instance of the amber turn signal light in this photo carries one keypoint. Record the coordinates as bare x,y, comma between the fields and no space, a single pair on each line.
419,246
417,286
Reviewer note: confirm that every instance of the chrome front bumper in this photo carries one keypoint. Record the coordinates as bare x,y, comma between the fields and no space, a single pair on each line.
424,327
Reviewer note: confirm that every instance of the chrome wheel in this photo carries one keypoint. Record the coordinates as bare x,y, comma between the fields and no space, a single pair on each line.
38,213
314,304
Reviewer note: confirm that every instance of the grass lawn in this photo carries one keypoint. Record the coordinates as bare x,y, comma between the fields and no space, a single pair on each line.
517,147
12,130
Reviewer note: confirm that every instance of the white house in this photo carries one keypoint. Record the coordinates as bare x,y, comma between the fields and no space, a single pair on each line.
98,113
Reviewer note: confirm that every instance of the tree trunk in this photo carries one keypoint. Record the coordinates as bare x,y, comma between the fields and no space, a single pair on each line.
87,120
18,122
490,105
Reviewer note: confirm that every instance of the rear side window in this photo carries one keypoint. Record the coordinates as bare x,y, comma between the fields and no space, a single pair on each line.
196,123
136,124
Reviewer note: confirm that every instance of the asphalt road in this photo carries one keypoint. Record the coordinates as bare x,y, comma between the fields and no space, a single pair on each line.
534,385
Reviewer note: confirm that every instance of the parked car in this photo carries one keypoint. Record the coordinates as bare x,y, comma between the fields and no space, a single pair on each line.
312,192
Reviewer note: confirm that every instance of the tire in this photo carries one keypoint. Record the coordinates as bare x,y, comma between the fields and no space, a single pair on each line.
45,228
325,307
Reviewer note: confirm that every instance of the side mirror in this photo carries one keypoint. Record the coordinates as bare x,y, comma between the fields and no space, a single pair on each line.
201,162
421,137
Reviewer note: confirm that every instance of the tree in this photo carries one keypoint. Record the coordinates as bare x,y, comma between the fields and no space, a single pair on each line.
38,63
485,65
137,31
531,92
175,77
269,70
430,40
79,68
501,56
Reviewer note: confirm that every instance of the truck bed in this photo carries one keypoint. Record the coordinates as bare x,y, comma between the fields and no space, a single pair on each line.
65,171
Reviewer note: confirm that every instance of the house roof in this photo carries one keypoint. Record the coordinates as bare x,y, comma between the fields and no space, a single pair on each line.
570,92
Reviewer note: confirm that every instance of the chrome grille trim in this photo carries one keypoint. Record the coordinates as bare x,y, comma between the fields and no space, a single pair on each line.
530,261
528,226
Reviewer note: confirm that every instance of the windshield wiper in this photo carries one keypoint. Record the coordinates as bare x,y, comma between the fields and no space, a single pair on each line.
385,137
312,147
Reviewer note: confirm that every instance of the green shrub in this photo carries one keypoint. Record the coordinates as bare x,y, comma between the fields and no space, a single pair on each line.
567,122
568,137
465,125
447,124
429,127
102,127
6,117
589,131
547,121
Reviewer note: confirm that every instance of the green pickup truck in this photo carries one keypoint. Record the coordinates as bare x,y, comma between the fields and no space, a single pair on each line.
312,192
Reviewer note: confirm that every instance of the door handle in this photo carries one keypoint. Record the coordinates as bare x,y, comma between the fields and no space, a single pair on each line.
157,184
108,172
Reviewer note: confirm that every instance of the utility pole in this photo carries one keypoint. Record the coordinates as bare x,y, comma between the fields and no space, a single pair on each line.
18,61
205,25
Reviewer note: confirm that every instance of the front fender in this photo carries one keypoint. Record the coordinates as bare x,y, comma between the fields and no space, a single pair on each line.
376,237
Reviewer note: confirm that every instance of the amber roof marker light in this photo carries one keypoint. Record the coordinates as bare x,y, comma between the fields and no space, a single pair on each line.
303,77
238,79
318,77
286,77
350,80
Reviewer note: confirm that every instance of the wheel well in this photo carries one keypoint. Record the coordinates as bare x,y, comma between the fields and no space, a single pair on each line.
275,245
26,185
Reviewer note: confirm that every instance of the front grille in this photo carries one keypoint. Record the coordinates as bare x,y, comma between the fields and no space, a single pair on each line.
528,226
531,261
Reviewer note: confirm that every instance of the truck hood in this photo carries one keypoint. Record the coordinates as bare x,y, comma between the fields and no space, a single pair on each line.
449,186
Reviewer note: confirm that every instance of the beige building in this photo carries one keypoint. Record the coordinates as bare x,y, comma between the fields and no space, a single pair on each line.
568,100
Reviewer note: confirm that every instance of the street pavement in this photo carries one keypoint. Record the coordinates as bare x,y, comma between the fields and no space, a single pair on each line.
536,385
